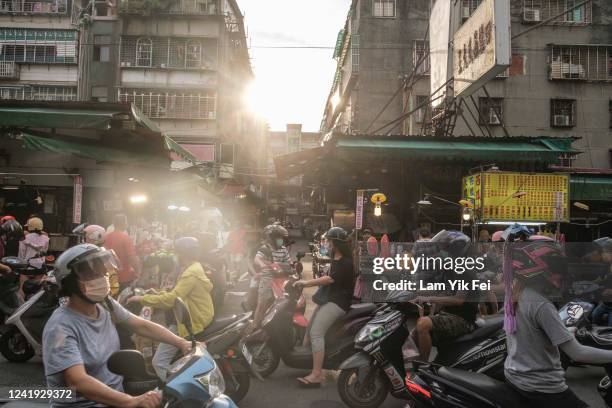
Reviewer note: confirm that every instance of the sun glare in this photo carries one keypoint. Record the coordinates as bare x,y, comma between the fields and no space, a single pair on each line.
256,100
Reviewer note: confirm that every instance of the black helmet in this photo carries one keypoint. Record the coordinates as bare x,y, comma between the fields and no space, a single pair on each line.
11,229
337,234
456,243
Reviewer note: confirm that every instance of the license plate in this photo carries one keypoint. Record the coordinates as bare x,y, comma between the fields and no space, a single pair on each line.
247,354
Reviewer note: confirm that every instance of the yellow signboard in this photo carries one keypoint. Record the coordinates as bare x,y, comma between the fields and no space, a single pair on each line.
501,196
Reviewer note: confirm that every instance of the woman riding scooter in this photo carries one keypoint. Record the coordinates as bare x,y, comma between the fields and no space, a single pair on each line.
333,298
534,330
94,234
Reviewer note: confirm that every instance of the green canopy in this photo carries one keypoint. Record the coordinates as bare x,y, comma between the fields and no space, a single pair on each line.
48,117
536,149
590,188
98,153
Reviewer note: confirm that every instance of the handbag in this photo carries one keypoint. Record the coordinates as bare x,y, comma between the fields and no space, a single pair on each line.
321,296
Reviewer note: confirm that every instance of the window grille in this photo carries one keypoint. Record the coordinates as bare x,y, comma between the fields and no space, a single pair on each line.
581,62
491,111
144,52
562,113
355,52
535,11
383,8
38,46
172,104
163,52
55,7
420,57
468,7
422,113
39,93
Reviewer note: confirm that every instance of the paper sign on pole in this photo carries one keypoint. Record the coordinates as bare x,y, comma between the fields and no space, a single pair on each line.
77,201
359,211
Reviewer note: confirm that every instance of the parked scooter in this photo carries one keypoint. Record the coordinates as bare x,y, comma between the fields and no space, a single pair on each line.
21,336
275,339
222,338
380,367
9,286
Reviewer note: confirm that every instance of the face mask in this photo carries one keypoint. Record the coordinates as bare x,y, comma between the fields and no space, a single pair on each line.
279,242
97,289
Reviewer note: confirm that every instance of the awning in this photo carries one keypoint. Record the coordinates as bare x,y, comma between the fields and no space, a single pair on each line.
454,148
295,164
47,117
590,188
98,153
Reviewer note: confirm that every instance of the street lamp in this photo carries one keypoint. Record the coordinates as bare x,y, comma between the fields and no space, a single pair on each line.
139,199
377,199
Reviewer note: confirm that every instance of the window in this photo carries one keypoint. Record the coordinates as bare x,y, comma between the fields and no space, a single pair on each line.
172,104
101,49
581,62
144,52
38,93
491,111
536,11
468,7
355,52
99,94
423,113
420,57
562,113
383,8
193,54
227,153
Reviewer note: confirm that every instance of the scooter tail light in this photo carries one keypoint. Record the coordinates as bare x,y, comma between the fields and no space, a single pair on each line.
416,388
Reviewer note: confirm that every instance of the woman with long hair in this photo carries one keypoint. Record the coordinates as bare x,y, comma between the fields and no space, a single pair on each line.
333,298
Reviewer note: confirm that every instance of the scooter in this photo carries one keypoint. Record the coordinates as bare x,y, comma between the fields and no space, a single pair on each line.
9,286
278,343
380,366
21,336
222,338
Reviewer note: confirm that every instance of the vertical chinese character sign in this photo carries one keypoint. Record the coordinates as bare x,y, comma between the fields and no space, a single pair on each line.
77,200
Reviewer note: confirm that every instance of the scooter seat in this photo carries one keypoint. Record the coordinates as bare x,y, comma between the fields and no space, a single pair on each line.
490,326
496,391
220,324
359,310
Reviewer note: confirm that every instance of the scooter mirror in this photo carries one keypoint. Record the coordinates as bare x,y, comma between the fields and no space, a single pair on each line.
182,315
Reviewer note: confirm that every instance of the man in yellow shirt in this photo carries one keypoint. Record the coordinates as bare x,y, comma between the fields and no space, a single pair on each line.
193,287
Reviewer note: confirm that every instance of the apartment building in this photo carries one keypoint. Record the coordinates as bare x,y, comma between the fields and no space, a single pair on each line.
560,79
559,82
382,46
38,50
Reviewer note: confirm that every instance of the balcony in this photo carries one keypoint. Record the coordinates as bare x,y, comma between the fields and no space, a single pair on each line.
177,7
536,11
157,104
38,93
38,46
169,53
580,62
9,70
17,7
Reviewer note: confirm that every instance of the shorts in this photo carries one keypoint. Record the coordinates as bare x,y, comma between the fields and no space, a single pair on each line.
565,399
447,327
264,291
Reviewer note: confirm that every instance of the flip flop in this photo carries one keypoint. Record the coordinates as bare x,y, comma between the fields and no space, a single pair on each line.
304,383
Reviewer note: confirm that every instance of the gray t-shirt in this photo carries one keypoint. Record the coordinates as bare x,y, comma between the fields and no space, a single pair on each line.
71,338
533,363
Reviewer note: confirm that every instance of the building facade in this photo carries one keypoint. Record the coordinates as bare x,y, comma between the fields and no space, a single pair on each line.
183,63
559,82
38,50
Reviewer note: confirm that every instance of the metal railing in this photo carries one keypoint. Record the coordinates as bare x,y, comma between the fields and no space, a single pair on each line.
580,62
172,104
55,7
535,11
39,93
38,45
9,70
180,7
167,52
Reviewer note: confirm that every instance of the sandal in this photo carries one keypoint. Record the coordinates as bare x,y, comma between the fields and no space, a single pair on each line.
304,383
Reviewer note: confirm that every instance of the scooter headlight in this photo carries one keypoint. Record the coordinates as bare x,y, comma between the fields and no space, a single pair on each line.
213,382
370,332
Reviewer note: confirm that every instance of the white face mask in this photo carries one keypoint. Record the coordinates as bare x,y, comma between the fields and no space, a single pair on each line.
97,289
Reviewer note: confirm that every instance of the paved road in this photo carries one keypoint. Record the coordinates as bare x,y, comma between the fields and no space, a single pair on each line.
280,390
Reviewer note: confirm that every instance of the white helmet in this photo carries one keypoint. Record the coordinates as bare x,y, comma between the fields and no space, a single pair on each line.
94,234
87,261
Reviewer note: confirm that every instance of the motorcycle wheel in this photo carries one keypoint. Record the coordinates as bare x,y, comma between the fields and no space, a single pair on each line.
265,360
238,386
13,345
370,394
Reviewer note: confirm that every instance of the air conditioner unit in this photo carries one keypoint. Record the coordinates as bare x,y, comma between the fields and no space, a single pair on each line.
532,15
465,12
561,120
162,65
493,118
